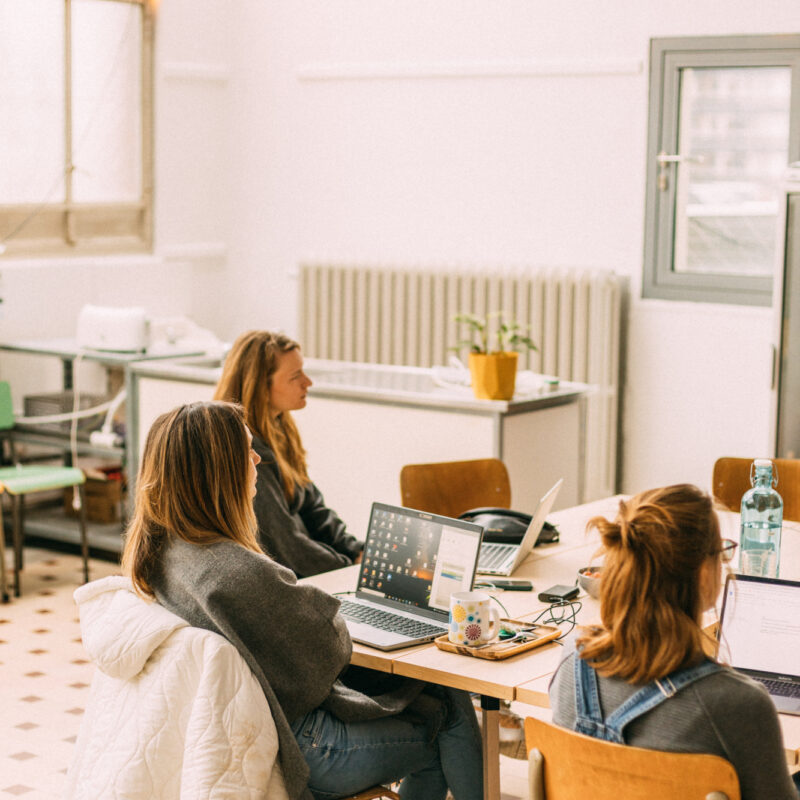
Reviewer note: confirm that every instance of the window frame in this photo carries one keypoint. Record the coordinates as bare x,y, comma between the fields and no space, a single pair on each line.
71,228
667,57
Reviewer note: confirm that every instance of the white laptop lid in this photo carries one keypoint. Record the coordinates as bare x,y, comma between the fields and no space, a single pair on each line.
760,626
537,522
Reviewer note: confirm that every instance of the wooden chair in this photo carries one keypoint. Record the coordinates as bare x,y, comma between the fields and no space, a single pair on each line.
731,479
564,765
17,481
375,793
450,488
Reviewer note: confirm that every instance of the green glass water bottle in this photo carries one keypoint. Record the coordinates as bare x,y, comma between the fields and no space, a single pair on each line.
762,520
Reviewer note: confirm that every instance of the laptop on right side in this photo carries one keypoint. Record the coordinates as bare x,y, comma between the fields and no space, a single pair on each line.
759,635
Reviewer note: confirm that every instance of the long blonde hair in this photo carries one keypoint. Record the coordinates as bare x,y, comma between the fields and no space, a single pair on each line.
193,484
247,379
650,593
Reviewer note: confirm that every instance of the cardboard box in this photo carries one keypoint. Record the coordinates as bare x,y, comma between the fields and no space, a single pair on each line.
103,496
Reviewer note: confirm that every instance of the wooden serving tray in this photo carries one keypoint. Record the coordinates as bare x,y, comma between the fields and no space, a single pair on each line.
541,634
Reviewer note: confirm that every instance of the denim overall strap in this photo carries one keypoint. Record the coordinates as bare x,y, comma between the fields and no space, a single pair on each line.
611,729
588,714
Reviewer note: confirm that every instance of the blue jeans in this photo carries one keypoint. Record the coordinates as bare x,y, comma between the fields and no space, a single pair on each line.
347,757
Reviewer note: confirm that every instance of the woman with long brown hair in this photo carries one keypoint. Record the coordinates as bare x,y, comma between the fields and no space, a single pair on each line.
191,545
264,373
642,678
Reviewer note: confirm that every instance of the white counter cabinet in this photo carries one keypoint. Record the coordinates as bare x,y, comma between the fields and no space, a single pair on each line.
363,422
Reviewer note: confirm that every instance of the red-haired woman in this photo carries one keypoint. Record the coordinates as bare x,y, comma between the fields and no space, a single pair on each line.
643,677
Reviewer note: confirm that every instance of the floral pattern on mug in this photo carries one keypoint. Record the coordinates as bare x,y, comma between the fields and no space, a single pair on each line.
472,632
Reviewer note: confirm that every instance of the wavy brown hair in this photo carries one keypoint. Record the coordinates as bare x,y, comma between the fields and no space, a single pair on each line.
193,484
247,379
650,593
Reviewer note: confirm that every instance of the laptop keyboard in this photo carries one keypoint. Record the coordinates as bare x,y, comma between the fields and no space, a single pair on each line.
493,555
782,688
386,621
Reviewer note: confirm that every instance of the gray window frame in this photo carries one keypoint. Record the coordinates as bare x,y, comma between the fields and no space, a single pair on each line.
667,57
71,228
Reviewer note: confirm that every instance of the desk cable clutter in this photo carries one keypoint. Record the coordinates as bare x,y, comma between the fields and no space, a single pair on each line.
562,612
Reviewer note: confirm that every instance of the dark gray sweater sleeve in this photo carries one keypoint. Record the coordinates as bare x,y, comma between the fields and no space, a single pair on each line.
308,539
324,525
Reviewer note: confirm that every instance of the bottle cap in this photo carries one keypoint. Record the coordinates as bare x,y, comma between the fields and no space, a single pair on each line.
762,462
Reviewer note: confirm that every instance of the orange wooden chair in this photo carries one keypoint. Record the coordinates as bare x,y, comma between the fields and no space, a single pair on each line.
564,765
450,488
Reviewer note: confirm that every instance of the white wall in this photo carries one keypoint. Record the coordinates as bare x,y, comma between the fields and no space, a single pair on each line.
505,133
544,165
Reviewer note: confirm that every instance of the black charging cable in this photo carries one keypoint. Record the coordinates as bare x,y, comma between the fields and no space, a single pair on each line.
563,612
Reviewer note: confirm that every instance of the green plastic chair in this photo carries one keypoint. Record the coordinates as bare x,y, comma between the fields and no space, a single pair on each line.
19,480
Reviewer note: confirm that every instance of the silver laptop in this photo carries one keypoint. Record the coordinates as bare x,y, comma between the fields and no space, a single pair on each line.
503,559
412,562
759,635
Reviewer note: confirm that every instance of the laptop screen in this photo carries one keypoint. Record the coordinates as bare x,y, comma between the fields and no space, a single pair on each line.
760,625
418,559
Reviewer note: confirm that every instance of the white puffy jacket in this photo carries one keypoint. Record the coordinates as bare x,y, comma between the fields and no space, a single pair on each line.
174,712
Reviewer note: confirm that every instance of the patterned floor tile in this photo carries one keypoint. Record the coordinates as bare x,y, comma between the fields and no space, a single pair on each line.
45,721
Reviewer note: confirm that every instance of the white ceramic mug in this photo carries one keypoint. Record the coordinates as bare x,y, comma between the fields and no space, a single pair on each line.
473,620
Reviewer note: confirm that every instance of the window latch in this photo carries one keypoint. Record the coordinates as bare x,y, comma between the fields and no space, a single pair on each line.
665,159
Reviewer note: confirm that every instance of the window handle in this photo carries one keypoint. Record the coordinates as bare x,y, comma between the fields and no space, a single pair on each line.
665,159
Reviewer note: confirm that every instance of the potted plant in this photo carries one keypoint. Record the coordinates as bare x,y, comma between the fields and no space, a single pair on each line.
494,372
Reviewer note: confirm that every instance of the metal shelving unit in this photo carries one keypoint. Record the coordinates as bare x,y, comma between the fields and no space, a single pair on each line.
49,521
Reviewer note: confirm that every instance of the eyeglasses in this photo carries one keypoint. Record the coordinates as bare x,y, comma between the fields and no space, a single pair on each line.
727,550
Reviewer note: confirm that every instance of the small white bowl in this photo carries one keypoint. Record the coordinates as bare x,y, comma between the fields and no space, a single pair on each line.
589,580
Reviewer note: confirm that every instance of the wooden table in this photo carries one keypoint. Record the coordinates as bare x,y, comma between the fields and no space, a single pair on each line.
492,680
525,678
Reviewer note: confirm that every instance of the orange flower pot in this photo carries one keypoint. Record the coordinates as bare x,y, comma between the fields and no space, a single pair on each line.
494,375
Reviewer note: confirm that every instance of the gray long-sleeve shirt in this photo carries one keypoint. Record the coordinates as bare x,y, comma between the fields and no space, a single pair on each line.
724,714
304,534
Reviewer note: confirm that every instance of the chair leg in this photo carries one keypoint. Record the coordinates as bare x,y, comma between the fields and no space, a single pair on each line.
84,537
3,577
16,514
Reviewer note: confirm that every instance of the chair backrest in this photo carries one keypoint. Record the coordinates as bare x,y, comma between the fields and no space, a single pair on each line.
450,488
731,479
6,407
194,719
564,765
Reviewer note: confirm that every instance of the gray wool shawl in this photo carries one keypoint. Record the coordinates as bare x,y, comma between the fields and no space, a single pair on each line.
291,636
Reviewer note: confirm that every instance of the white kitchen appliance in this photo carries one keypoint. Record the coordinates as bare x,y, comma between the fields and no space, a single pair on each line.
119,330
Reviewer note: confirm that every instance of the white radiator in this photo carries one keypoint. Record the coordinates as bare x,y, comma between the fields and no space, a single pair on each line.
405,316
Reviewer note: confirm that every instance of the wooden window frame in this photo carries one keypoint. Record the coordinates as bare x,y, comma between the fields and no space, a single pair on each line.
71,228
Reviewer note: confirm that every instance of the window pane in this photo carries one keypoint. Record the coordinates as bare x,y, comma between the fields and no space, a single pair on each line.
734,138
32,98
106,87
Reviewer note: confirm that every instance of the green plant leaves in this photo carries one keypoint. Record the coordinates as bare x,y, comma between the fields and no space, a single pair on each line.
510,334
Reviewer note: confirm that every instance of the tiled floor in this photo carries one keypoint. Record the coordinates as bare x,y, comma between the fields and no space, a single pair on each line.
45,678
44,675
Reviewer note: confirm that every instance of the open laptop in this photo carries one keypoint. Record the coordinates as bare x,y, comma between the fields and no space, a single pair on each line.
502,559
412,562
759,635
